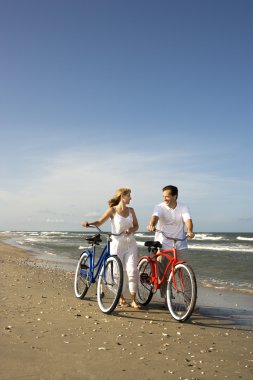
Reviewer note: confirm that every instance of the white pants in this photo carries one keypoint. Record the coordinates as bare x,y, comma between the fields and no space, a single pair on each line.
125,248
129,261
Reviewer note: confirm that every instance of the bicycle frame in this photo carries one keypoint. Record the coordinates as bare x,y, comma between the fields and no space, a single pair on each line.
94,269
172,261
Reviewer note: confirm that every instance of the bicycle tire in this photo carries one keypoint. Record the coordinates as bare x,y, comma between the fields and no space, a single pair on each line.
181,292
144,292
82,276
109,285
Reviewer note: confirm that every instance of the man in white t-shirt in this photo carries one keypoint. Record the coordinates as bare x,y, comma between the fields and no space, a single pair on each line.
174,219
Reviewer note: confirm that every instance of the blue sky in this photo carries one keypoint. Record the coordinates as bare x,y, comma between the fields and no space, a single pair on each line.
97,95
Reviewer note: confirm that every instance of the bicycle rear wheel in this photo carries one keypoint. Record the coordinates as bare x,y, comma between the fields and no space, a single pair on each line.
144,292
82,276
181,292
109,285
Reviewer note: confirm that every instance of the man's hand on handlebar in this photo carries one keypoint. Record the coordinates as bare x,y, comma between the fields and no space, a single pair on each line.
190,235
151,228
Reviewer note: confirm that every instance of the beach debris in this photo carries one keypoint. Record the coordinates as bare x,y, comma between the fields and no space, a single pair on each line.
9,328
101,348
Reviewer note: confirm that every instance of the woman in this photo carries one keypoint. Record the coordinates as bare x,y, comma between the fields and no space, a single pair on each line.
123,218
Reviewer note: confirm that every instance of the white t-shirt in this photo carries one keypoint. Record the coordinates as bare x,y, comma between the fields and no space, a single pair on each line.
171,222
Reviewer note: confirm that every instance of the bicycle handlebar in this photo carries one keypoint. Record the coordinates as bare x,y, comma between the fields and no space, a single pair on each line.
103,232
171,238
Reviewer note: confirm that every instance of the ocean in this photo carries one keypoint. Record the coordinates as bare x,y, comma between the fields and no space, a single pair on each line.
219,260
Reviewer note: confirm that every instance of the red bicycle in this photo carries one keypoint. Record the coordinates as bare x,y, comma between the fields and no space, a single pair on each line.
181,293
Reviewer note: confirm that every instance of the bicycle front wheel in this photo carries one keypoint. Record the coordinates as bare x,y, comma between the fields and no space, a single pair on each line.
181,292
144,290
109,285
82,276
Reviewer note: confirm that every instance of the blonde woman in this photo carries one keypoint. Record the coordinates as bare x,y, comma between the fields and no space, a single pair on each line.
123,218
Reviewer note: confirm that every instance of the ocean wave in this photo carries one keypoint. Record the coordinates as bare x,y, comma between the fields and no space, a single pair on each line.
244,238
140,243
31,239
216,284
227,248
83,247
144,235
54,233
207,237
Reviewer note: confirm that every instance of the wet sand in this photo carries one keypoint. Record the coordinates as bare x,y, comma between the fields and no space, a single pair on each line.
47,333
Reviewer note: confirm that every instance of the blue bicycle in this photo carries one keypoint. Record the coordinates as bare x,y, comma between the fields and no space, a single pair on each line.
107,271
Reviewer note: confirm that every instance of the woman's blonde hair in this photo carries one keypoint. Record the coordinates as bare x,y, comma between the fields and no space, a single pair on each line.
114,201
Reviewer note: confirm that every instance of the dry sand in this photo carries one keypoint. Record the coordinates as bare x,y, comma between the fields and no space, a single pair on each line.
47,333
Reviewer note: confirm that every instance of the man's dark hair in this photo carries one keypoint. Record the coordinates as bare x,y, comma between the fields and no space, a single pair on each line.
173,190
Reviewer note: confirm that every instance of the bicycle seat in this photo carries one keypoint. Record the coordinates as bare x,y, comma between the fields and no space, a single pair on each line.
94,239
154,244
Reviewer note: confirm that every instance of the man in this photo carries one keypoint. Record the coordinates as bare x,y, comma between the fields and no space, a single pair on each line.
174,219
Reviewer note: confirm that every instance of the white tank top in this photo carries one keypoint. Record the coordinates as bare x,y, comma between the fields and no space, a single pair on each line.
119,224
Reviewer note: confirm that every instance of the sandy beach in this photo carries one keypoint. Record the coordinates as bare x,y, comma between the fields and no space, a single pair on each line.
47,333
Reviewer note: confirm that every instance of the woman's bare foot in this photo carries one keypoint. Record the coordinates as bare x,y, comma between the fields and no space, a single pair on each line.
123,302
135,305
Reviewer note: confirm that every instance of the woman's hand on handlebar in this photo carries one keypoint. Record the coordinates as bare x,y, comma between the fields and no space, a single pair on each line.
151,228
85,224
129,231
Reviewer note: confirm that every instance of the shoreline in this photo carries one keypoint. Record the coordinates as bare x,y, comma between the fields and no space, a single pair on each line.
47,333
